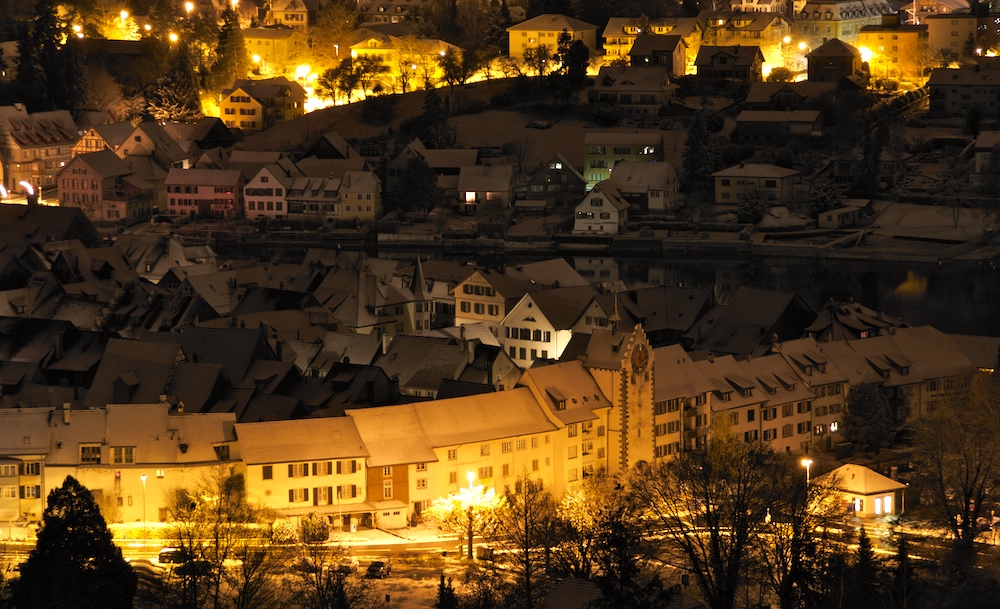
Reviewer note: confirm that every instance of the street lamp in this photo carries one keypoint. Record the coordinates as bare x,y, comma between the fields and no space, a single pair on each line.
471,476
143,478
188,7
807,463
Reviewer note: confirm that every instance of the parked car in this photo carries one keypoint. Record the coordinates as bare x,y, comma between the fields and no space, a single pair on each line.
379,569
347,565
172,556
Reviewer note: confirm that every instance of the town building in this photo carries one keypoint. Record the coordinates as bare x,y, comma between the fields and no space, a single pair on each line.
546,30
648,187
899,52
622,33
773,184
778,127
865,493
557,182
483,185
291,14
954,91
820,21
651,50
638,92
410,62
833,61
743,63
257,105
603,149
274,48
35,146
205,193
540,326
104,186
393,11
604,211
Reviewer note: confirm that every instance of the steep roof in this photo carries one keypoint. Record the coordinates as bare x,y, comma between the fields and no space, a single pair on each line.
859,480
567,389
105,163
778,116
743,55
552,23
835,48
142,367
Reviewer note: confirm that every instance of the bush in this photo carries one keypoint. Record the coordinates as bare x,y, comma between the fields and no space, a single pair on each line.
283,530
714,121
751,208
605,115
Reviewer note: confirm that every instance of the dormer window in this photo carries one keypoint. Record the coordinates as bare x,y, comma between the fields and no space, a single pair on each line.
748,392
727,395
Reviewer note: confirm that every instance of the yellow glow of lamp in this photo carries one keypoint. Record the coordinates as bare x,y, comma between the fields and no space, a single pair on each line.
866,54
173,37
148,27
123,15
28,187
256,58
189,6
807,463
802,46
302,71
787,39
471,476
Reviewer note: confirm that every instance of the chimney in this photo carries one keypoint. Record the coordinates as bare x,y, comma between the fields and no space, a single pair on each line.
66,409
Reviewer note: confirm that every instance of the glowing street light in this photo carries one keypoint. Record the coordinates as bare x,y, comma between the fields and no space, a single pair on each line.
28,187
866,54
189,6
807,463
802,46
786,39
124,16
148,27
172,36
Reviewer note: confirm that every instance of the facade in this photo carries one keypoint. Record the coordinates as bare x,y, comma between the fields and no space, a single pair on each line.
900,53
540,325
485,184
954,91
103,186
772,183
820,21
866,494
266,193
546,30
622,33
256,105
605,149
206,193
34,147
949,33
275,48
392,11
291,14
744,63
834,60
638,92
556,181
648,187
777,127
604,211
918,11
653,51
411,62
764,29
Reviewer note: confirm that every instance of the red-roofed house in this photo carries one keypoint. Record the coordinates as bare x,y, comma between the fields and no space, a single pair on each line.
214,193
103,186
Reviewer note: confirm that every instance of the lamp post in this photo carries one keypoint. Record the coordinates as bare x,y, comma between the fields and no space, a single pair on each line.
471,476
807,463
143,478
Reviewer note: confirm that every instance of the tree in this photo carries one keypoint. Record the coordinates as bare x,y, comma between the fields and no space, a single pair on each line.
699,161
446,598
524,525
453,67
177,96
470,512
539,58
824,196
368,68
781,74
868,421
341,79
231,58
865,577
751,208
75,562
331,33
575,60
709,507
961,463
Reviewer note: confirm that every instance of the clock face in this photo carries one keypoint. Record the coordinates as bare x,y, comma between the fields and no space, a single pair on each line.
640,357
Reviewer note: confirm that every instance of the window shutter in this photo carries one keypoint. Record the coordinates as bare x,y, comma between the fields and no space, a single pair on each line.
20,470
290,470
329,467
38,490
291,494
314,468
22,489
338,467
329,495
306,491
354,466
315,494
354,490
305,469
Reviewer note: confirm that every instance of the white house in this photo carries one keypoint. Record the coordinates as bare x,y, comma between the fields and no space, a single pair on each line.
603,211
266,194
541,324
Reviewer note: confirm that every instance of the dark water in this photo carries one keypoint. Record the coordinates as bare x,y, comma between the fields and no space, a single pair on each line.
955,298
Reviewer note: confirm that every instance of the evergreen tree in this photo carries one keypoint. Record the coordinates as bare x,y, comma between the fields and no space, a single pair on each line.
164,16
68,77
447,599
75,562
31,86
869,418
176,96
419,189
231,60
435,132
863,584
699,162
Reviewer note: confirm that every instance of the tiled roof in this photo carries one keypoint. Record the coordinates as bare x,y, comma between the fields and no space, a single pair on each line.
301,440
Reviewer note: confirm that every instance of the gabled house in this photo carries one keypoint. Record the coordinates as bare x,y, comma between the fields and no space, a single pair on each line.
648,187
540,326
833,61
556,182
604,149
777,127
603,211
290,14
392,11
744,28
104,187
814,368
411,62
638,92
266,193
774,184
850,321
486,297
546,30
103,137
743,63
485,185
151,140
275,47
650,50
205,193
865,493
819,21
682,409
447,164
34,146
622,33
786,95
256,105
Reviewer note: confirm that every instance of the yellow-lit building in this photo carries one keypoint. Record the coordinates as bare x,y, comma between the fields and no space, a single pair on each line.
546,30
898,53
274,50
256,105
621,33
412,62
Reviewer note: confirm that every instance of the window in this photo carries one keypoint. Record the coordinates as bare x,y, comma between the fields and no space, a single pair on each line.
8,471
750,436
298,495
452,454
387,472
803,427
323,468
534,442
90,453
734,418
505,446
750,415
298,470
534,465
222,452
387,490
421,482
769,414
804,407
123,454
31,492
571,430
786,431
522,444
267,472
786,410
485,472
421,467
484,450
770,434
453,477
505,471
571,452
572,475
10,492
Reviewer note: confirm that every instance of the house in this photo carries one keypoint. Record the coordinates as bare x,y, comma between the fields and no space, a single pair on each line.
603,149
103,137
986,172
898,52
724,28
954,91
850,321
151,140
392,11
849,168
256,105
758,6
103,186
948,33
866,493
603,211
777,127
744,63
772,183
648,187
266,193
556,182
820,21
206,193
331,145
682,410
845,216
833,61
274,47
204,134
487,296
650,50
485,185
305,466
918,12
621,34
638,92
411,62
35,146
540,325
554,272
813,367
546,30
290,14
787,95
447,164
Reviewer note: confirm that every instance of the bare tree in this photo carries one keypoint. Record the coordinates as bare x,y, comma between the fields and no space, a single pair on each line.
525,525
